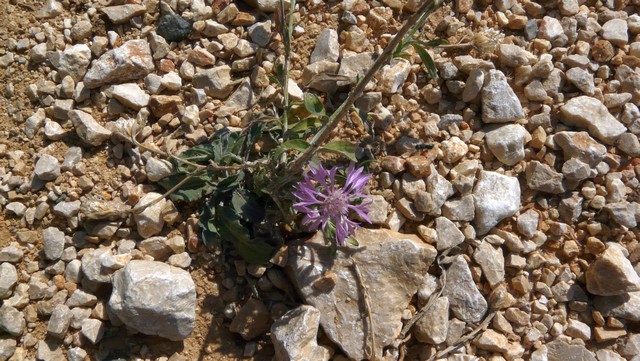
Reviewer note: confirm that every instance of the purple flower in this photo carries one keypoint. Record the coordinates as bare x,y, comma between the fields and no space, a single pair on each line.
326,204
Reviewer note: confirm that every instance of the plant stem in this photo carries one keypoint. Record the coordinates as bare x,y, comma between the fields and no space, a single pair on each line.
325,132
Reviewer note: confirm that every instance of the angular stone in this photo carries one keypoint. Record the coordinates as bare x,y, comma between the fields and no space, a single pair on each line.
433,326
92,265
541,177
216,82
393,76
74,61
496,197
448,234
120,14
173,27
356,65
93,330
155,299
612,274
47,168
624,213
150,222
590,113
493,341
59,322
252,320
506,142
294,335
130,95
8,279
241,99
11,321
130,61
581,146
491,261
53,240
391,264
88,129
581,79
626,306
460,209
7,348
465,300
327,47
558,350
615,31
49,350
499,103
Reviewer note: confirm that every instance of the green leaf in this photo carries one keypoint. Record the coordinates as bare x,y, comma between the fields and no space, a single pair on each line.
230,183
306,124
426,60
207,224
193,190
254,251
313,104
247,206
432,43
341,147
299,145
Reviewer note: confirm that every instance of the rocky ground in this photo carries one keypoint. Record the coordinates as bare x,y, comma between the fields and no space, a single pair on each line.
514,238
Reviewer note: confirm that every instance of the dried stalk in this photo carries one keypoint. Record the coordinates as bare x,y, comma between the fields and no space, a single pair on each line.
462,340
325,132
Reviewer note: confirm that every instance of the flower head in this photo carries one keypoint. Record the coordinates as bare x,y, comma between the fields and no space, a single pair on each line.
328,204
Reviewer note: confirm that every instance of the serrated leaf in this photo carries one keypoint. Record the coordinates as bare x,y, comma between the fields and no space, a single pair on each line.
341,147
313,104
427,61
254,251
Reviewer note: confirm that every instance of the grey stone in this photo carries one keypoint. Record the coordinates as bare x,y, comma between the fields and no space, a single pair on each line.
8,279
473,85
49,350
465,299
50,9
47,168
448,234
582,80
260,33
88,129
11,253
391,264
575,170
155,299
158,169
156,247
559,350
625,306
294,335
76,354
173,27
624,213
327,47
590,113
499,103
74,61
541,177
131,95
581,146
7,348
216,81
491,261
355,66
629,144
59,321
92,330
16,208
433,326
92,265
53,240
130,61
378,209
120,14
11,321
150,222
506,142
496,197
242,98
460,209
612,274
615,30
515,56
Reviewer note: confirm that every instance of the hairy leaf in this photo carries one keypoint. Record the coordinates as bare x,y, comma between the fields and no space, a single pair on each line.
313,104
341,147
247,206
254,251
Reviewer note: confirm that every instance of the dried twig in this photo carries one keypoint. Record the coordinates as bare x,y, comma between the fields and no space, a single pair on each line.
367,304
468,337
325,132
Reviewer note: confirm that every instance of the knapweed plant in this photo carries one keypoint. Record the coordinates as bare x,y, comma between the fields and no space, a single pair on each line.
255,198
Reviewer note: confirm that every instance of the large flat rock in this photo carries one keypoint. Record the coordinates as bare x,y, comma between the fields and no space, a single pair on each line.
392,266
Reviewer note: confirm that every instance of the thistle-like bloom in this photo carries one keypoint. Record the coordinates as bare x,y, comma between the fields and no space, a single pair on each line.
328,204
